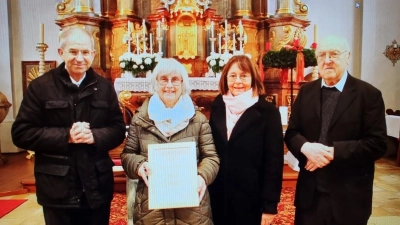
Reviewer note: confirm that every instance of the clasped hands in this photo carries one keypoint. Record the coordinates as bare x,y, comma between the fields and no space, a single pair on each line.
144,171
80,133
318,155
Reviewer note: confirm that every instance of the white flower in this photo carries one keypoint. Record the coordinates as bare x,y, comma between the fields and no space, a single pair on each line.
221,63
141,67
122,64
213,62
134,66
148,61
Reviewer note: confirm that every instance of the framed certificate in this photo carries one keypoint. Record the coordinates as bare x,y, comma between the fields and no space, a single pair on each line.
173,178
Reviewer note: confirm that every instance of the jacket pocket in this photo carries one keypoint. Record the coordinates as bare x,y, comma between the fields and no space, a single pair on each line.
105,174
52,182
99,113
57,112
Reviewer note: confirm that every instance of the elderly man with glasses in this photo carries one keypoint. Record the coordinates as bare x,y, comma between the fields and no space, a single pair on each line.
336,130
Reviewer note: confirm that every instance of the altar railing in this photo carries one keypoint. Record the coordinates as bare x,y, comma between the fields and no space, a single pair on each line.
142,84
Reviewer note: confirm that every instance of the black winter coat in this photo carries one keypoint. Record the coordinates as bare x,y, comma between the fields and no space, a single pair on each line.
249,180
65,172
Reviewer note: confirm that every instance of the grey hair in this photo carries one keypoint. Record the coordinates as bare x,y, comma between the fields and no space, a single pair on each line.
333,40
167,66
66,33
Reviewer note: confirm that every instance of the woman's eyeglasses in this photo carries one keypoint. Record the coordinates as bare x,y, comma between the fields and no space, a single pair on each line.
163,81
242,77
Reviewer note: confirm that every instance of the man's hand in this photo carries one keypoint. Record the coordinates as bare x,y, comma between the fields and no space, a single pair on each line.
80,133
318,155
201,187
144,172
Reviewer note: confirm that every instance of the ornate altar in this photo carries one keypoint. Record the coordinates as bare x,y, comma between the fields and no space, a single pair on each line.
189,31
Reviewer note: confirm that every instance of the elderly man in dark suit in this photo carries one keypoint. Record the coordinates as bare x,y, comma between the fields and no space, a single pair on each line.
336,130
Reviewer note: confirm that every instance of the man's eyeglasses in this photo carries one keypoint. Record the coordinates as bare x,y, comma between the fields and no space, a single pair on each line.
242,77
331,55
176,81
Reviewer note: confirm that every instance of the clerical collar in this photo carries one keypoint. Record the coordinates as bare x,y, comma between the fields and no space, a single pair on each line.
77,83
339,85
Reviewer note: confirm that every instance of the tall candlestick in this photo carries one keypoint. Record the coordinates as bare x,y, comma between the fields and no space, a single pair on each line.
144,28
129,27
315,33
158,29
151,43
41,33
212,29
226,28
219,43
240,28
137,44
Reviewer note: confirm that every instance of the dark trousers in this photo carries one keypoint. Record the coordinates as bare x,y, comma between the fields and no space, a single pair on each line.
86,216
320,212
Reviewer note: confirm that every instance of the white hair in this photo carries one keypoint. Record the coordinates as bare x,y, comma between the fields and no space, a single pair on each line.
167,66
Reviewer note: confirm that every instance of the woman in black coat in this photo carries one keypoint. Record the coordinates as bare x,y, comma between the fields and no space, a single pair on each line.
248,136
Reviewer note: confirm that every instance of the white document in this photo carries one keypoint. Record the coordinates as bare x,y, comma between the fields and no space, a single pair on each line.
292,161
173,178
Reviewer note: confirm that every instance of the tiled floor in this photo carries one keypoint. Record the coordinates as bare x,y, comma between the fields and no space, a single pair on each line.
386,201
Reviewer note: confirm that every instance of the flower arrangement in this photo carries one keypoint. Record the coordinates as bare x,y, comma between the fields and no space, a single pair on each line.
138,63
217,61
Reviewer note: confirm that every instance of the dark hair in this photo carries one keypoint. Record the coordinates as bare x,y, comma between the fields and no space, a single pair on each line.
244,63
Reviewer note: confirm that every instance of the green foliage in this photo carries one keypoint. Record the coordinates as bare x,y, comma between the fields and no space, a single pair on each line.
286,58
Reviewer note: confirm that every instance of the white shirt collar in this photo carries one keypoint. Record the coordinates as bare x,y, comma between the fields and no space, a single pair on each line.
77,83
340,84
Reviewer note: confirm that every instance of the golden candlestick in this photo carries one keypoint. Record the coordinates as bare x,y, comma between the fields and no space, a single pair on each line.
41,48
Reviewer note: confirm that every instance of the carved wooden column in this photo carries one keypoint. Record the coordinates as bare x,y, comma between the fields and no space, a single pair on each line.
242,9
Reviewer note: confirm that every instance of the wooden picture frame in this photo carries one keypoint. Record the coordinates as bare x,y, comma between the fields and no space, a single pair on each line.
30,70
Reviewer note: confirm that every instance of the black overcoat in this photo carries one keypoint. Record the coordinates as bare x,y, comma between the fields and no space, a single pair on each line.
249,181
65,172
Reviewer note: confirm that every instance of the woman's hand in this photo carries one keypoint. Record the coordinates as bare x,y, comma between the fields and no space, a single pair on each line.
144,172
266,219
201,187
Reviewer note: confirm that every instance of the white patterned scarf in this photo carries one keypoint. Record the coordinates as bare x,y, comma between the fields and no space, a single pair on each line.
235,107
171,120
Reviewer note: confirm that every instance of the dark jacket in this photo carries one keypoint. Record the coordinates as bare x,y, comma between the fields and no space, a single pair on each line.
249,181
357,132
143,132
63,171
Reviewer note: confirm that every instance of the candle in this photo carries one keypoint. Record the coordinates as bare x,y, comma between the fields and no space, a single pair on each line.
284,114
212,29
296,42
129,27
219,43
144,28
137,44
268,46
315,33
41,33
240,28
151,43
226,28
158,29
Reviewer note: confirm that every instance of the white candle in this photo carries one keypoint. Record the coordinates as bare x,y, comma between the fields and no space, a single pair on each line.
158,29
151,43
137,44
226,28
315,33
212,29
144,28
129,27
240,28
284,114
219,43
41,33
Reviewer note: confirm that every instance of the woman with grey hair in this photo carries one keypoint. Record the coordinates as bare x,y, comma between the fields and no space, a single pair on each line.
169,116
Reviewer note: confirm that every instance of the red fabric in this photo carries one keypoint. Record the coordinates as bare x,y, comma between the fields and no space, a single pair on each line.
8,205
117,162
284,75
299,67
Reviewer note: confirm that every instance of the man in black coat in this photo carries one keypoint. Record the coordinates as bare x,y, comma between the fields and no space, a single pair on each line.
71,118
336,130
